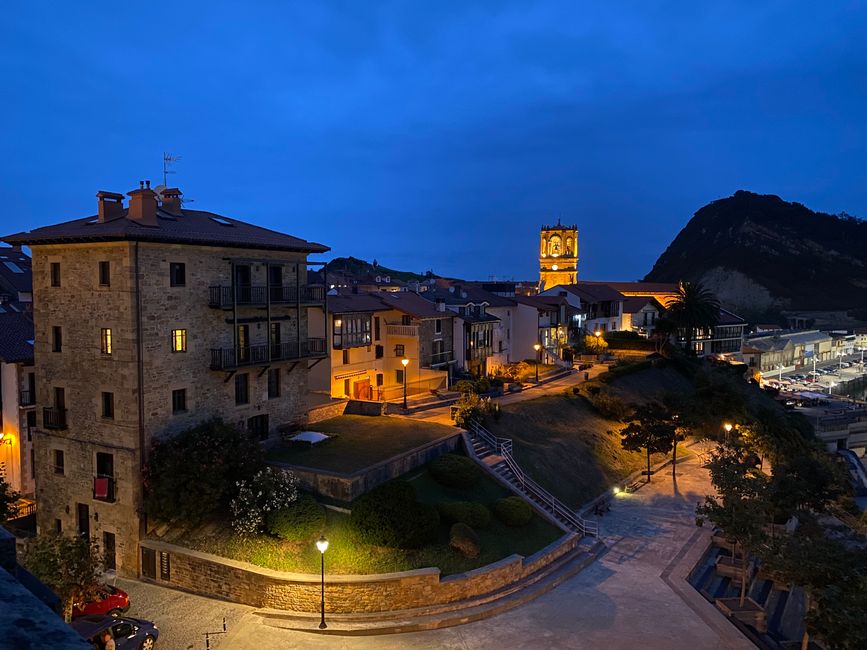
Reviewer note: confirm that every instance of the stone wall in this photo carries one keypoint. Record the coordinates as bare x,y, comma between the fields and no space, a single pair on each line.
348,487
245,583
327,411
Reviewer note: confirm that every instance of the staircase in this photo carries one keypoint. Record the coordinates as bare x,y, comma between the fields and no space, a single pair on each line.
488,448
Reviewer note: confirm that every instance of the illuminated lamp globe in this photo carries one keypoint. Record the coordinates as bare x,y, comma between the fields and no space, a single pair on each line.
322,544
554,267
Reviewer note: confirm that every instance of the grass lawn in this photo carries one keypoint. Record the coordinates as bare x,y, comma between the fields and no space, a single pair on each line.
346,555
571,450
361,441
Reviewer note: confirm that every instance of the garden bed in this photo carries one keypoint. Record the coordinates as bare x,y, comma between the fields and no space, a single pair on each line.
348,555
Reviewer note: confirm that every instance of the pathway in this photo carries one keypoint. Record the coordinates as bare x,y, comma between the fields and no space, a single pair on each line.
621,601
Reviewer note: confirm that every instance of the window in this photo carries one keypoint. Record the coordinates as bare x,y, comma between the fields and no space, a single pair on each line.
165,566
439,326
179,400
273,383
398,350
179,340
257,426
243,342
380,352
177,274
398,375
406,320
104,274
105,340
121,630
149,563
58,526
59,462
379,378
345,357
242,389
351,330
376,328
55,274
56,339
108,405
108,550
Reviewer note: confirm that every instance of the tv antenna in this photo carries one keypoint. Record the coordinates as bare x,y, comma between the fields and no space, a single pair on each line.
168,161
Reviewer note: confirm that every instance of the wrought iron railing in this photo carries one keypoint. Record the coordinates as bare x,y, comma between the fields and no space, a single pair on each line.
252,355
260,295
503,447
27,397
53,418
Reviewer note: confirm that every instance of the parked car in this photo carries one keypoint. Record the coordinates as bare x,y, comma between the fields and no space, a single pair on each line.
128,633
110,601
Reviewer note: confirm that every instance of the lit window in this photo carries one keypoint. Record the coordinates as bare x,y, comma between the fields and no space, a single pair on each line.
105,340
179,340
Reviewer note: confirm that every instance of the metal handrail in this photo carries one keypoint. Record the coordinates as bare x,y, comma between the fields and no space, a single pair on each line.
503,447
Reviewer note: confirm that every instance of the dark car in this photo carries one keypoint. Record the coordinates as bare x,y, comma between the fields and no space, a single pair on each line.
110,601
128,633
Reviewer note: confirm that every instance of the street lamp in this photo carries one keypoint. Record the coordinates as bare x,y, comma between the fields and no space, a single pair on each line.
405,363
598,335
537,347
728,427
322,545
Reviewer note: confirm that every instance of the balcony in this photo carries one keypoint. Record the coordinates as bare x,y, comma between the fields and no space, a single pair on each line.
409,331
260,296
438,359
27,398
104,488
53,418
258,355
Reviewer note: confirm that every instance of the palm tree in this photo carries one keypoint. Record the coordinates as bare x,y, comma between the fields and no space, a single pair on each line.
693,309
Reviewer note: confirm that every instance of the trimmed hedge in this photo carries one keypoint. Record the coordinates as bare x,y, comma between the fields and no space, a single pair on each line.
470,513
464,540
390,516
513,511
455,471
301,521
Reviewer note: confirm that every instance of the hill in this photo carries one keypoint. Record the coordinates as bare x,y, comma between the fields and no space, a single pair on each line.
761,254
356,267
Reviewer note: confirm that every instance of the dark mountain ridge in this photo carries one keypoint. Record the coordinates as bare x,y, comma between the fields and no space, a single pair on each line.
759,253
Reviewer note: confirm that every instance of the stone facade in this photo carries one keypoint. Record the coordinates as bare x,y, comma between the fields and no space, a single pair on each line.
141,308
245,583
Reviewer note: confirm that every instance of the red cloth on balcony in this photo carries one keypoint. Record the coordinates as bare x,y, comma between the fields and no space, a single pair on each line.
100,488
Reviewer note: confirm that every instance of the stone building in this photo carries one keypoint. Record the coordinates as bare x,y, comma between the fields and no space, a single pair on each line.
558,256
149,319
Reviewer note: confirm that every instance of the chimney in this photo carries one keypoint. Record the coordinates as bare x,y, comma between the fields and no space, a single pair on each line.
143,205
171,200
441,304
110,205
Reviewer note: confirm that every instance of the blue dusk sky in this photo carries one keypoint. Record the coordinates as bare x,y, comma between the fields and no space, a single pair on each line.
438,135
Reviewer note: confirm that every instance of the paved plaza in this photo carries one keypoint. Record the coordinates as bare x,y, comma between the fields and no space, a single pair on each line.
628,599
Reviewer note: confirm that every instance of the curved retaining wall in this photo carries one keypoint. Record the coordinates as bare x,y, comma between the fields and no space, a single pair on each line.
244,583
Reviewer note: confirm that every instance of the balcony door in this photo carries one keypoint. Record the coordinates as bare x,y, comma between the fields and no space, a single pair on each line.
60,399
243,342
275,340
83,520
243,280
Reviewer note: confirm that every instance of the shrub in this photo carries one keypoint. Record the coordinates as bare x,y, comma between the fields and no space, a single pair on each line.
301,521
464,540
464,386
496,382
390,516
455,471
465,512
604,401
513,511
269,490
482,385
195,474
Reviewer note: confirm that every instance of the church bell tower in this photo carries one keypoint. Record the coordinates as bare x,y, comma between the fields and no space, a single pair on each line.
558,256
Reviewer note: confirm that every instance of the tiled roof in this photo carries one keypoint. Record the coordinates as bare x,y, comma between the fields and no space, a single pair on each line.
189,227
355,302
413,304
592,292
16,337
729,318
634,304
635,287
15,270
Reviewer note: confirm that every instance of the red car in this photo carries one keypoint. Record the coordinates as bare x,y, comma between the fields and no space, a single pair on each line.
111,601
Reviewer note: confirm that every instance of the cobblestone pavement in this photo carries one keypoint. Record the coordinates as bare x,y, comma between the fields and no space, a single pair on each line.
621,601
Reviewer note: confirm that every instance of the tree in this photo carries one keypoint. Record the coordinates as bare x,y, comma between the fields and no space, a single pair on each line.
70,566
652,429
595,344
196,473
8,497
694,308
663,329
738,508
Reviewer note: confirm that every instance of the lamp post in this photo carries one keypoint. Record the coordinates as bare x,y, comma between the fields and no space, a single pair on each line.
7,440
322,545
598,335
405,363
537,347
728,427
